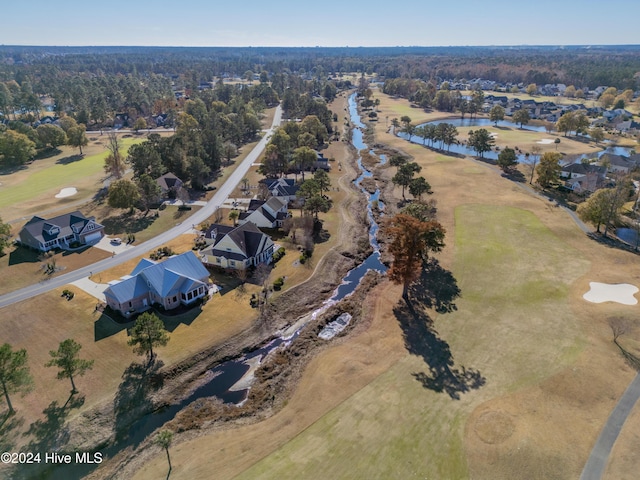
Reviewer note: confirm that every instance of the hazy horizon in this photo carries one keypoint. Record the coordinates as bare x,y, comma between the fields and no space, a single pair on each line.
287,23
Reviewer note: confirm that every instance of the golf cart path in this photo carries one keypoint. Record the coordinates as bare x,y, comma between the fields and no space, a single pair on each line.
599,457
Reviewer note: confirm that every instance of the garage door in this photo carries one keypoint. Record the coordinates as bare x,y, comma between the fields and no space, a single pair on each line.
93,237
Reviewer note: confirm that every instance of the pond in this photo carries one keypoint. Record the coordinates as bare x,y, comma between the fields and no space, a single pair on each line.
493,155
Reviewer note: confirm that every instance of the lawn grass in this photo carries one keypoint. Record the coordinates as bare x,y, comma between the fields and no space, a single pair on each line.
525,139
394,428
33,189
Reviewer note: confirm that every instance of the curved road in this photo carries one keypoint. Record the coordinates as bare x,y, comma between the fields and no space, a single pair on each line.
198,217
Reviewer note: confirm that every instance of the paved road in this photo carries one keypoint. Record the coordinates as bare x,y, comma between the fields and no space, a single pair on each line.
198,217
597,462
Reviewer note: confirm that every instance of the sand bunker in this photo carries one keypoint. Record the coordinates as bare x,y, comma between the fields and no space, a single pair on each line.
545,141
604,292
67,192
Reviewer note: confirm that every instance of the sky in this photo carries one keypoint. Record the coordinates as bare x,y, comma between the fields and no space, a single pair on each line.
331,23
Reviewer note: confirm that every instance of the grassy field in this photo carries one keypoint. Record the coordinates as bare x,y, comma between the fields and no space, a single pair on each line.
371,405
387,430
24,192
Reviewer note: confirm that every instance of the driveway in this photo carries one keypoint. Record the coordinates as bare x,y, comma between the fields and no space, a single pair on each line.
106,245
94,289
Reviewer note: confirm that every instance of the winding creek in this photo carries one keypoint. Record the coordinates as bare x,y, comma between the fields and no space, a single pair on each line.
228,380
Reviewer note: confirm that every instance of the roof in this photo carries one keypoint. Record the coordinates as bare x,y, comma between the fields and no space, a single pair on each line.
176,274
275,204
128,289
68,224
169,181
584,168
247,237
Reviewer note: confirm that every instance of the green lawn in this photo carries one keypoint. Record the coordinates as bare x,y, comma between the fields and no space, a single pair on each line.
513,327
81,173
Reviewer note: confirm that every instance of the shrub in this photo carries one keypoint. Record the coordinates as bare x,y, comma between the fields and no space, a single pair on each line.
277,285
278,254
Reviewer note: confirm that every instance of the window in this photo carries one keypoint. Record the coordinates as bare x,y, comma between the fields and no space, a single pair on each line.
175,299
232,263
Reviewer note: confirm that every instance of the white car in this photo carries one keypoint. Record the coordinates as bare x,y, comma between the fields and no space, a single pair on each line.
116,241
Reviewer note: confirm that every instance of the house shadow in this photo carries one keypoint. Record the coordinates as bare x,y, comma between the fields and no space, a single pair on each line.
105,327
22,254
183,315
421,339
131,401
81,249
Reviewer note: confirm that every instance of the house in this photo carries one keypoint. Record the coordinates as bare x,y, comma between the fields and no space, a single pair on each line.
617,163
285,188
238,247
583,177
59,232
265,214
179,280
169,184
321,163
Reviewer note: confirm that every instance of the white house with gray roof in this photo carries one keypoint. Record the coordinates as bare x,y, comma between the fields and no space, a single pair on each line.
236,247
179,280
61,231
265,214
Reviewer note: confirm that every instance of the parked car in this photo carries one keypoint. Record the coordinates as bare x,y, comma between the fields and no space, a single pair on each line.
116,241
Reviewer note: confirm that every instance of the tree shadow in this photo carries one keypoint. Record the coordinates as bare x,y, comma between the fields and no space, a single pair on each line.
8,424
69,159
515,176
131,401
421,339
9,169
632,360
50,434
48,153
436,288
127,223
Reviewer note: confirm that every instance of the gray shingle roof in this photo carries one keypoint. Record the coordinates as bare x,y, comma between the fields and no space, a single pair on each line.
39,227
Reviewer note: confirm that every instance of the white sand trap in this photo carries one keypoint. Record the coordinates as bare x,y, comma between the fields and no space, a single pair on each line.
546,141
605,292
67,192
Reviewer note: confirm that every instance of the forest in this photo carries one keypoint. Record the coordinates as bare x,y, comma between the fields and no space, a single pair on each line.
189,89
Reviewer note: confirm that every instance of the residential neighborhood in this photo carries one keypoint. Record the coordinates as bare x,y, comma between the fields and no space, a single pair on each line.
379,261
